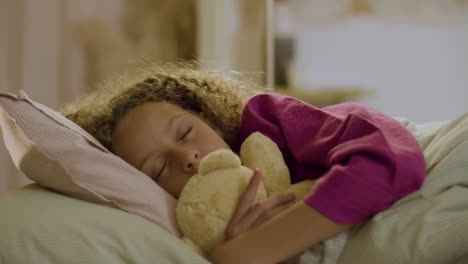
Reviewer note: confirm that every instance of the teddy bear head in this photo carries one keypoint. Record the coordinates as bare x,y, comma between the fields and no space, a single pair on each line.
209,198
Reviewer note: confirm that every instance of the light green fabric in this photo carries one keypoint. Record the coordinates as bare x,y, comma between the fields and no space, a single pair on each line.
427,227
40,226
431,225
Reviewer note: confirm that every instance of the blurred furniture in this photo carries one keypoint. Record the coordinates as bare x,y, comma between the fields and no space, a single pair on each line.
325,96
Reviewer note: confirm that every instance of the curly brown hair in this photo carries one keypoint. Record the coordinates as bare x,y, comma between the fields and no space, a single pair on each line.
212,95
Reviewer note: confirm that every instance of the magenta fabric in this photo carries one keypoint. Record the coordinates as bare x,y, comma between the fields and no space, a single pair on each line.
366,160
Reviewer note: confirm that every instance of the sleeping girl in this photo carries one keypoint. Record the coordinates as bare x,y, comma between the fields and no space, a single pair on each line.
167,122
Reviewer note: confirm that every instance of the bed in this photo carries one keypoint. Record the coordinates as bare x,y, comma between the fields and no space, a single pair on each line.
64,220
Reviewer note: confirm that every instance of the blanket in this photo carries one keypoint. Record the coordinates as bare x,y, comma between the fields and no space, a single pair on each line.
428,226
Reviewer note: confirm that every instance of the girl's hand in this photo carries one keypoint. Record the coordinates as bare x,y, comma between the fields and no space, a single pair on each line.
249,215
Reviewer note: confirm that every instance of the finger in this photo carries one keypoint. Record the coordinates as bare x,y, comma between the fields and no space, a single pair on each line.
268,215
246,222
248,197
259,209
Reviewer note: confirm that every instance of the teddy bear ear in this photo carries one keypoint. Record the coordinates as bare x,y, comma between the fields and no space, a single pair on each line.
218,159
259,151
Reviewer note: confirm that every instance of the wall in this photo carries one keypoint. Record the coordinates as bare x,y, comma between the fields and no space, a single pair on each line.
232,36
418,69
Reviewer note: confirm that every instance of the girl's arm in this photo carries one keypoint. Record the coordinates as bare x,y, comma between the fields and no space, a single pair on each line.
255,238
295,229
273,230
365,159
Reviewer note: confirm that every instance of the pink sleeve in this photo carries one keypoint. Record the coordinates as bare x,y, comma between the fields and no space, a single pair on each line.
368,160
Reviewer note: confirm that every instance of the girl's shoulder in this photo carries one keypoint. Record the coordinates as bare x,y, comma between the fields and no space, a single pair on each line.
271,99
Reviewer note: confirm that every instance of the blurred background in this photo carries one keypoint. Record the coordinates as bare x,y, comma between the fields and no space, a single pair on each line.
404,57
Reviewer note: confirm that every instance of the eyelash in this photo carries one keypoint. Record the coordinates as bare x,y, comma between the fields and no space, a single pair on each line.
186,133
164,165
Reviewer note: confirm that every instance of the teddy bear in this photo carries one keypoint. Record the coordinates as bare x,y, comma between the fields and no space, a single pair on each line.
209,199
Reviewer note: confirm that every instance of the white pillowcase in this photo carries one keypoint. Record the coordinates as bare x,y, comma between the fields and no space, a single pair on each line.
56,153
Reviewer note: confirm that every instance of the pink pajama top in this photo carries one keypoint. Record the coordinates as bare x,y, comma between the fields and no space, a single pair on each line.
365,160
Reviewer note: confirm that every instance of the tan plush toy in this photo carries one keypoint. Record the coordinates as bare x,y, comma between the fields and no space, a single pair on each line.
209,199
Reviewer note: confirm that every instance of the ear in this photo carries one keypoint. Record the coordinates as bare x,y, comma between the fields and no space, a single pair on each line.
218,159
259,151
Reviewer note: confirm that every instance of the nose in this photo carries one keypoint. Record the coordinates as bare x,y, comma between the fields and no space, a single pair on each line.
190,160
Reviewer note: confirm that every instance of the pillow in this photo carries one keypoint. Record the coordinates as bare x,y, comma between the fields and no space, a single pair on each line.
40,226
56,153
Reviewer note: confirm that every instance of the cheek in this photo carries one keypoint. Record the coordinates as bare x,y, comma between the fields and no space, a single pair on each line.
204,141
173,186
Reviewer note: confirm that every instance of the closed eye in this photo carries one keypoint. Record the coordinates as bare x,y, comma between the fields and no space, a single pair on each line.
186,133
160,171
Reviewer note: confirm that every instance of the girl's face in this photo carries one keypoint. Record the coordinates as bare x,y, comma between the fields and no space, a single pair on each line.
165,142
